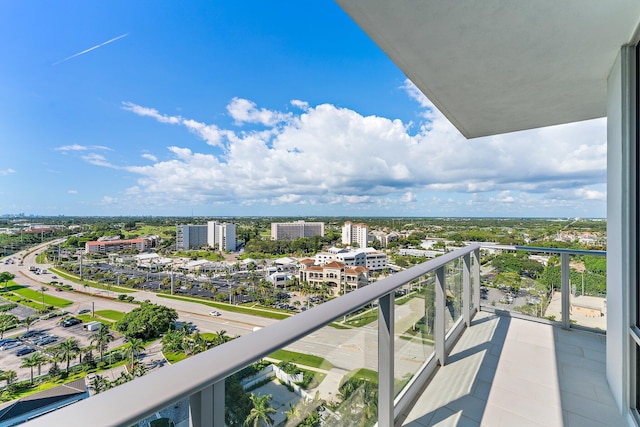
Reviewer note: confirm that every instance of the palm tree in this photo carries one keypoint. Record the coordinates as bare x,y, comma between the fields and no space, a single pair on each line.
30,362
43,289
9,376
28,321
41,360
259,414
133,347
68,349
99,384
101,339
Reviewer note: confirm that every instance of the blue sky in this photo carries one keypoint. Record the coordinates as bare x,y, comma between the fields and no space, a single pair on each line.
252,108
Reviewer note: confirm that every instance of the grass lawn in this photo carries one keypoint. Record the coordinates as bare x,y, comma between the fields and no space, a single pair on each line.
302,359
37,297
362,373
363,319
228,307
86,318
113,315
174,357
90,283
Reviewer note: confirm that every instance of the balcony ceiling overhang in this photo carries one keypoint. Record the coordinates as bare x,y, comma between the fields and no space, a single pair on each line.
496,66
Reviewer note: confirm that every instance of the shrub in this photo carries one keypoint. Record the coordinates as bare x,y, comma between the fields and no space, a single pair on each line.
122,297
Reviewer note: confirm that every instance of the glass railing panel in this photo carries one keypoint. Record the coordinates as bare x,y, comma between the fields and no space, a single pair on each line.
588,296
414,323
453,292
521,282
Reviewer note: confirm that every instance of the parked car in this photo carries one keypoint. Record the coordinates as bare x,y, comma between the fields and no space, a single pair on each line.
70,322
24,351
29,334
10,345
46,340
7,340
84,310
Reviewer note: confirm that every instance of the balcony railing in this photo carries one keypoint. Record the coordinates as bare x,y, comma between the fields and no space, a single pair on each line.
420,313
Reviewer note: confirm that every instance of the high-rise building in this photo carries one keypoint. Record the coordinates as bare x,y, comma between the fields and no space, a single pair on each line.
355,233
222,235
191,236
295,230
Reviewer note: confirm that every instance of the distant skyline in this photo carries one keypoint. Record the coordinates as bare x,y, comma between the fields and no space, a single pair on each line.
224,109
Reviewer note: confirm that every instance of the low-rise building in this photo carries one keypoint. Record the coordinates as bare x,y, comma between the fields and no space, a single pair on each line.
340,277
140,244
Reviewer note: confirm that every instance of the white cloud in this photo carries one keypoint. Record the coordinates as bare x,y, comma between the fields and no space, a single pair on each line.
245,111
329,155
150,112
72,191
98,160
5,172
149,157
303,105
78,147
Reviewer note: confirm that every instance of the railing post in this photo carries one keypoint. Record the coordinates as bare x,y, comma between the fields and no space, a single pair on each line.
466,289
206,407
385,360
439,321
565,289
476,279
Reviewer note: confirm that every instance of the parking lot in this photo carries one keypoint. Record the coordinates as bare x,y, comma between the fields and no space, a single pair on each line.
41,329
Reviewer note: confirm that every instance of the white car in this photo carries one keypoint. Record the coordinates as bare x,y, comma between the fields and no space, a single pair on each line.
214,313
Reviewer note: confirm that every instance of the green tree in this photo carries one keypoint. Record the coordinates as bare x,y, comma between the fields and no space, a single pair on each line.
9,377
147,321
68,349
260,413
41,359
28,321
30,362
7,321
510,280
101,339
132,349
5,276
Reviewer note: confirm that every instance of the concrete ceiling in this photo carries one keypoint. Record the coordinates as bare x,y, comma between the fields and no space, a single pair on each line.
496,66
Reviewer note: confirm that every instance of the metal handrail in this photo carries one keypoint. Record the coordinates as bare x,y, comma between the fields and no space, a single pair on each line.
138,399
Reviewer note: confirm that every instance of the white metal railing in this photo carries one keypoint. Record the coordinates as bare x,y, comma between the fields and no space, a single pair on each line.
201,378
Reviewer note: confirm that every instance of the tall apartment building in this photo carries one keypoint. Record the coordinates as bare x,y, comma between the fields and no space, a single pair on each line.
355,233
222,235
191,236
213,234
295,230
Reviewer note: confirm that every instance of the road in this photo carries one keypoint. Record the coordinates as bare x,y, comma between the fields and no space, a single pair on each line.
346,349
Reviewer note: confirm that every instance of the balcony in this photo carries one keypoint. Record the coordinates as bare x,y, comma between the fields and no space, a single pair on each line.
437,359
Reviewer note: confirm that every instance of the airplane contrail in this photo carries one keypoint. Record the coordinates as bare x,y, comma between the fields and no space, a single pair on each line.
91,48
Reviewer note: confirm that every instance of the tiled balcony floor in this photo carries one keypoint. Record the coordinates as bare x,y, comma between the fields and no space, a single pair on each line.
511,372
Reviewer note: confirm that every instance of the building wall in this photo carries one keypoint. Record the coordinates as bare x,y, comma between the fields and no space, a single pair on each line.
296,230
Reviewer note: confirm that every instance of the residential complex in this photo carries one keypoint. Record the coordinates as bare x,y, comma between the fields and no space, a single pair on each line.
295,230
357,234
213,234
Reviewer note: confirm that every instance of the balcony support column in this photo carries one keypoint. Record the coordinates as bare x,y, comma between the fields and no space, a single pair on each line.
565,289
206,407
466,289
439,326
385,360
476,280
